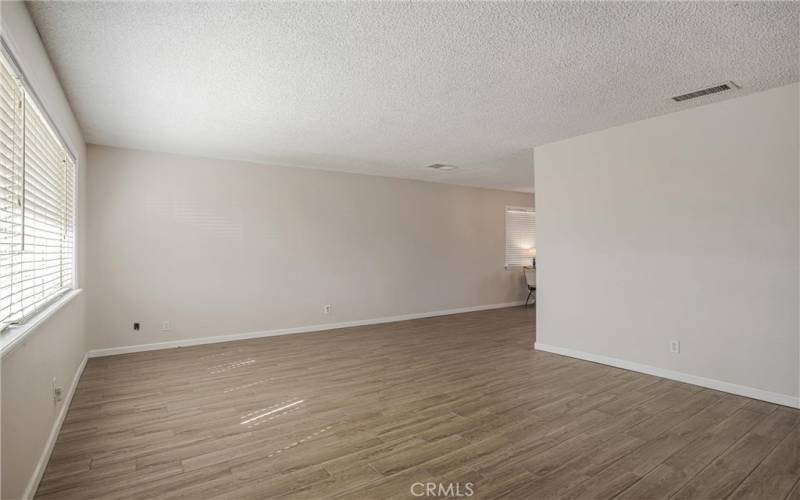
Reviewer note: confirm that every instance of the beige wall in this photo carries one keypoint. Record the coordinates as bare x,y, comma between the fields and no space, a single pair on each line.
680,227
223,247
56,348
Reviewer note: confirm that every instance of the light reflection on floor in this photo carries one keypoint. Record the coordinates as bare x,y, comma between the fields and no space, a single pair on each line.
245,386
229,366
269,412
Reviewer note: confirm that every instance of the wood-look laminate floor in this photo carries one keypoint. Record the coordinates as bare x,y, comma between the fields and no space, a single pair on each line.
366,412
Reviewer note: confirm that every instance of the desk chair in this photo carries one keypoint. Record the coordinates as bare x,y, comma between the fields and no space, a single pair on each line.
530,279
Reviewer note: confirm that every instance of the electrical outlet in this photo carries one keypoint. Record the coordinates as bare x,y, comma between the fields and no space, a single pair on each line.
136,326
165,326
327,309
674,346
57,391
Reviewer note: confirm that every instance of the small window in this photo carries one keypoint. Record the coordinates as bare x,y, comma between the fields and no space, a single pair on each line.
37,202
520,236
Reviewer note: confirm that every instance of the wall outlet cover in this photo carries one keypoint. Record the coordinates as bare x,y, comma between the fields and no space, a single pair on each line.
57,391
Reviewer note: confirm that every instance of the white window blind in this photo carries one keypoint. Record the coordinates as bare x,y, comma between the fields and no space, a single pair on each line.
520,236
37,186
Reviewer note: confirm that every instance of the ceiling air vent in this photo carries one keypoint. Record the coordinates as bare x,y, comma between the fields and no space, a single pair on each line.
710,90
442,166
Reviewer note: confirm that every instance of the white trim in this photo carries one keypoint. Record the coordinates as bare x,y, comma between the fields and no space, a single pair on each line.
15,335
41,465
719,385
95,353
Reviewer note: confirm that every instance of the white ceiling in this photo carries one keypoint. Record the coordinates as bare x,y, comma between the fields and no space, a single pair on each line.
387,88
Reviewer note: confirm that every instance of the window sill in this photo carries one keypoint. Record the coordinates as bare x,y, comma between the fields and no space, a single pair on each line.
16,335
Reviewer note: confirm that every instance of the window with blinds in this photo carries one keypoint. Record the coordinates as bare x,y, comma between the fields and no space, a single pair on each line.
520,236
37,200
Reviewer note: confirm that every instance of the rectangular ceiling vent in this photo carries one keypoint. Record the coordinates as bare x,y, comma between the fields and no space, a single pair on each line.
710,90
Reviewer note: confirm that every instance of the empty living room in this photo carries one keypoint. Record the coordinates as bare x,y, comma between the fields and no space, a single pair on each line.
399,249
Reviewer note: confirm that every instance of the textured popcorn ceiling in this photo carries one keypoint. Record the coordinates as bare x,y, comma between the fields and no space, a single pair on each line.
387,88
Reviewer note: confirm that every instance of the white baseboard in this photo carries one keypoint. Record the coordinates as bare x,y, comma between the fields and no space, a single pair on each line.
41,465
739,390
94,353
